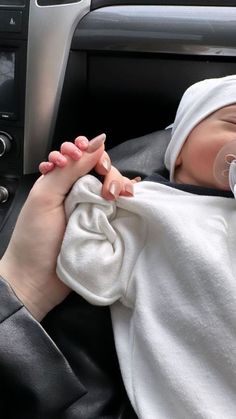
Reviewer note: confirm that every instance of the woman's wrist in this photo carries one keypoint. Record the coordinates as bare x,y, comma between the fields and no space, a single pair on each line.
32,298
36,306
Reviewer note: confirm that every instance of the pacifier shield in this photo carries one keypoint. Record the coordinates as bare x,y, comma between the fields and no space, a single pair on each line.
222,163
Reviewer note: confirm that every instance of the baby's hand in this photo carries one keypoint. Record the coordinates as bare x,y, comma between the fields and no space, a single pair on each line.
114,183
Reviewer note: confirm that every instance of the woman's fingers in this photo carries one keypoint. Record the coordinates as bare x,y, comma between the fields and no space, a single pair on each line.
104,164
115,184
45,167
71,150
81,142
57,158
74,151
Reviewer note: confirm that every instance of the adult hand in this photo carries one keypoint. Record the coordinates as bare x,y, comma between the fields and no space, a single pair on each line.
29,263
114,184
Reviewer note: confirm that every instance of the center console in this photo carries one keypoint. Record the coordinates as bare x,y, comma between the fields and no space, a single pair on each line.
13,47
35,40
13,51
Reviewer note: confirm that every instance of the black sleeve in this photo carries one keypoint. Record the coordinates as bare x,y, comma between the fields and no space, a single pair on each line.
36,380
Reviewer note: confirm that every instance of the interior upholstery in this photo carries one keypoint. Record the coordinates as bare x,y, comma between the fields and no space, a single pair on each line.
142,156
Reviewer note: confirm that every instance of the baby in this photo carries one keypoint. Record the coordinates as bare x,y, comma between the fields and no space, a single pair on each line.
164,260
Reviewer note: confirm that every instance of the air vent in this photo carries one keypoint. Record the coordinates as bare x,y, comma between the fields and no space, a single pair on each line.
12,2
55,2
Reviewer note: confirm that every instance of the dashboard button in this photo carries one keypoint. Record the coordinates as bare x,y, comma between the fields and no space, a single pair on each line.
5,143
4,194
7,115
10,21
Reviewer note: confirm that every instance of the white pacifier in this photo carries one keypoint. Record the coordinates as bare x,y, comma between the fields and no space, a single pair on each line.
224,168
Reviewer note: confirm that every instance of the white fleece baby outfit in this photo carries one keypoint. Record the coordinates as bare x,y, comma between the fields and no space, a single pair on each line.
165,260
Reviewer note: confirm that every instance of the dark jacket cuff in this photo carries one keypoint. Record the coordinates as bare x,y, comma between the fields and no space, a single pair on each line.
36,379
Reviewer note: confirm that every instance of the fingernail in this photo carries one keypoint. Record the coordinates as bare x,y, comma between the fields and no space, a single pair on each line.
76,155
106,164
83,143
60,161
129,188
114,189
138,179
96,142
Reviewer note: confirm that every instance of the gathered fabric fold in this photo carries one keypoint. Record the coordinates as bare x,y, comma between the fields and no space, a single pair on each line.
164,260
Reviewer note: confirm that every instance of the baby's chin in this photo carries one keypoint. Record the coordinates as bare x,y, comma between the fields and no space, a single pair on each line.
217,185
211,183
224,188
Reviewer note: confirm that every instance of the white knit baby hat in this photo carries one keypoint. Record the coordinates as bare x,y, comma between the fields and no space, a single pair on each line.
198,102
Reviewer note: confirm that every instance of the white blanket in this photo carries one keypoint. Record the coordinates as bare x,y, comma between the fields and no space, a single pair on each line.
165,261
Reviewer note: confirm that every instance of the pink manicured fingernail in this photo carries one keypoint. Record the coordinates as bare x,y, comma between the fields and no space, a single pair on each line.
76,154
60,161
49,165
106,164
46,167
114,189
83,144
96,142
129,189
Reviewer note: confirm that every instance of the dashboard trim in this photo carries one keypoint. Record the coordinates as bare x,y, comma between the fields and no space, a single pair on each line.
186,30
50,32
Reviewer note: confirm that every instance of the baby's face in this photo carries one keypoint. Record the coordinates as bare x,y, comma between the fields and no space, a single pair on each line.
195,162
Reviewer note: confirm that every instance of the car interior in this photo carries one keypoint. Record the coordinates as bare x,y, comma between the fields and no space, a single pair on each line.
71,67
